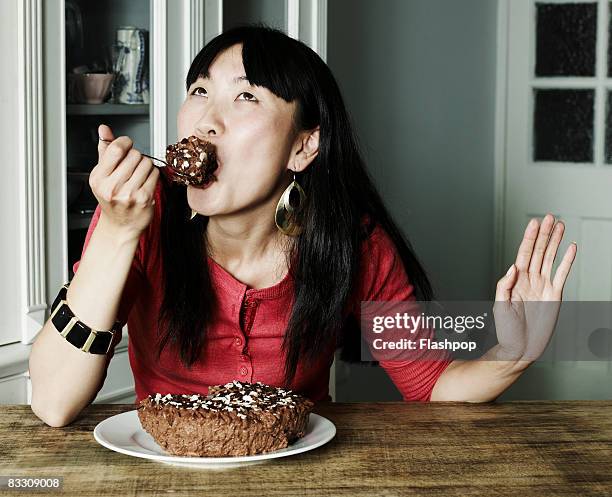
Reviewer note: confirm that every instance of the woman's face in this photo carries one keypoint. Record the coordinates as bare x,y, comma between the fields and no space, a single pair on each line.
253,131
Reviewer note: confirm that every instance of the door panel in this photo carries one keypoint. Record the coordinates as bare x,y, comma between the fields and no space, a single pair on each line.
556,161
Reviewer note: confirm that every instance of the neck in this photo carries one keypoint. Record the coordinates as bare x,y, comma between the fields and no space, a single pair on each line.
245,237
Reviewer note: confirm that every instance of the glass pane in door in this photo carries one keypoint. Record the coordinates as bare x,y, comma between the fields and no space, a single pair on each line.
563,125
566,38
609,127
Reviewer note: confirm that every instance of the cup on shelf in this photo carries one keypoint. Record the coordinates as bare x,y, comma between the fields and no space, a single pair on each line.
89,88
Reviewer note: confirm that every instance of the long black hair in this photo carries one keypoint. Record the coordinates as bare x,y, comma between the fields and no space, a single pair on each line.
340,195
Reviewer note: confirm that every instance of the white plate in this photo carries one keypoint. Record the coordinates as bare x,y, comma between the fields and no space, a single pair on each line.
123,433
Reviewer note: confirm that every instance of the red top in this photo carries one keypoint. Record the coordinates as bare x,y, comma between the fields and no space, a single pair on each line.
252,353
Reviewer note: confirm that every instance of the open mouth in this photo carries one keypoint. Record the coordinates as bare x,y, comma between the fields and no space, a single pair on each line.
192,161
203,181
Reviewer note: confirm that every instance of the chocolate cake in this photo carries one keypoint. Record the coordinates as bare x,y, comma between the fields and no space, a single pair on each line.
192,161
235,419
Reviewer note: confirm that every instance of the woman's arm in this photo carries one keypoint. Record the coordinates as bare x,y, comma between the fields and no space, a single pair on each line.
482,380
65,379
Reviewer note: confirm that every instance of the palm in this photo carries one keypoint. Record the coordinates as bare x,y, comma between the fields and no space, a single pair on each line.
527,300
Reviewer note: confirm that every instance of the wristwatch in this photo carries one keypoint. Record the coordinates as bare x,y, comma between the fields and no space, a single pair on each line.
78,333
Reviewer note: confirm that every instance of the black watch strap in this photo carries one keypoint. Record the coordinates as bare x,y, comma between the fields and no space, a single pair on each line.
78,333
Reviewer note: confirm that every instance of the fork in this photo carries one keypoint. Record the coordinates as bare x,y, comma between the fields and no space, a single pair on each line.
145,155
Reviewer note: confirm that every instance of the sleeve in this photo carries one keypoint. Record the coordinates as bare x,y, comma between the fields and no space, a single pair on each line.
383,278
138,268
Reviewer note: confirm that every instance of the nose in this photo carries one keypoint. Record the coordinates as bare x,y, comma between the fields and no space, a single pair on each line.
210,123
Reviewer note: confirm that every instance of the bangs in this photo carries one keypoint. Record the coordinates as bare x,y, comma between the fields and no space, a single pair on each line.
268,56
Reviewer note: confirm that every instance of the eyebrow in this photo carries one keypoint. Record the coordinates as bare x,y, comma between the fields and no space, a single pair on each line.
240,79
236,80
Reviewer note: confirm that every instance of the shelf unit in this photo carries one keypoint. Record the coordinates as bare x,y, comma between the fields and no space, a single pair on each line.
91,30
57,143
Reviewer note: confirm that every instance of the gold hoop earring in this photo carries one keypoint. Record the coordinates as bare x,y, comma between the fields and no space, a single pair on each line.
287,212
193,214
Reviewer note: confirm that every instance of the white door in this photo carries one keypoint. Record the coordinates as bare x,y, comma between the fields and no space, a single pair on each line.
557,143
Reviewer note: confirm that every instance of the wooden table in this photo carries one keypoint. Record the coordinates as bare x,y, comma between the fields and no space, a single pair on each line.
381,449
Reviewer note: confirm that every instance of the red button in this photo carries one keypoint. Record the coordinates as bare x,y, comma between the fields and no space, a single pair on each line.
243,371
238,341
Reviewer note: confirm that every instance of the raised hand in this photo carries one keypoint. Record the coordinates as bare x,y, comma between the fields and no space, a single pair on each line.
527,300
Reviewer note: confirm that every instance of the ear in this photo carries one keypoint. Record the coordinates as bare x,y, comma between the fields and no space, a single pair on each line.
305,150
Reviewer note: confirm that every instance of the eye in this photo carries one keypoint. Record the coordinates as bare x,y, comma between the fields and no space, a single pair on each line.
249,97
193,92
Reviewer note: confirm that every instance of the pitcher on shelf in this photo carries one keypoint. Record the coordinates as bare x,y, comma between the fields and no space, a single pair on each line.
132,82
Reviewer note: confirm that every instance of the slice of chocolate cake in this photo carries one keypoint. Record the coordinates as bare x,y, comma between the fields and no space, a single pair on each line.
192,161
235,419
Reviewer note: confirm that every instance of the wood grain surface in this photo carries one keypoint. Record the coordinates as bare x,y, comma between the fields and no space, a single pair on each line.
380,449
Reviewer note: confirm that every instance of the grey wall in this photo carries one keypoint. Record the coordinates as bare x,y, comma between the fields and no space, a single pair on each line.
271,12
418,77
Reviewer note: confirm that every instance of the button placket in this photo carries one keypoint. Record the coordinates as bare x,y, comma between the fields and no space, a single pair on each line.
248,310
246,367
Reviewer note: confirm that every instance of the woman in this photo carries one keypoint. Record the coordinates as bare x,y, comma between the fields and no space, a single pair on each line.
255,288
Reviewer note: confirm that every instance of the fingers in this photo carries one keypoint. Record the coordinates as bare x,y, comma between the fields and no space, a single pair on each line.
526,248
149,184
122,173
113,155
505,285
104,133
140,174
535,265
564,268
551,250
